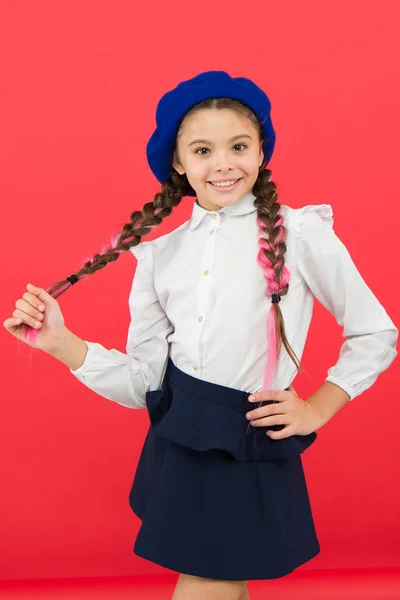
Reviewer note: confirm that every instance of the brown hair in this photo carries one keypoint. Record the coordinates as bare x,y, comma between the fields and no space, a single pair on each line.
272,230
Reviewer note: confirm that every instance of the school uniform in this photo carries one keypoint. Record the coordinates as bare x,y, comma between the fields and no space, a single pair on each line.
217,497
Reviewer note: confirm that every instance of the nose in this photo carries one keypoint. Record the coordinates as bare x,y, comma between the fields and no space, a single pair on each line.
221,162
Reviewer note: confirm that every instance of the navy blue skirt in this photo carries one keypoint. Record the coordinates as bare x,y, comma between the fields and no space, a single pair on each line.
217,497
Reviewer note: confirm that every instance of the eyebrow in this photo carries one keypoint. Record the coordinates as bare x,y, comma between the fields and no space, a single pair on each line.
235,137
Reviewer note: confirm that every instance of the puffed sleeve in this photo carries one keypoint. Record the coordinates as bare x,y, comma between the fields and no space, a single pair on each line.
125,378
333,278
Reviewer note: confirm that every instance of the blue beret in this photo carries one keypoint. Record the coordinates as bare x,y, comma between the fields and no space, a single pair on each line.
174,104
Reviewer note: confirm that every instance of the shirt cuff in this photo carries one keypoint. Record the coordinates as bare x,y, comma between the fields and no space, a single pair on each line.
345,386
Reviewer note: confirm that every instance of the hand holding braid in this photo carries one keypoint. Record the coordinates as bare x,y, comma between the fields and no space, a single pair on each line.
141,223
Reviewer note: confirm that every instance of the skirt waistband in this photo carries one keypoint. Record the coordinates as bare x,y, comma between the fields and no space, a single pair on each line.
212,392
206,416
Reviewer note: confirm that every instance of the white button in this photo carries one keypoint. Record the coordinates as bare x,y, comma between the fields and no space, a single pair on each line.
200,318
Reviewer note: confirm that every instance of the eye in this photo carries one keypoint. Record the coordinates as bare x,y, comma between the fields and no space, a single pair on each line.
201,154
196,151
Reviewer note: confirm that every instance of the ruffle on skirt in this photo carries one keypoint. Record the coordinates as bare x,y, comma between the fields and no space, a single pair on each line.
215,421
214,498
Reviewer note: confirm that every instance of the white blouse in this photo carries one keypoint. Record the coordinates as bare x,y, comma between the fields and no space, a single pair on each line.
198,295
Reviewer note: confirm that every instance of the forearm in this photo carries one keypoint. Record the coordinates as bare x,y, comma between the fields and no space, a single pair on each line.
71,350
327,400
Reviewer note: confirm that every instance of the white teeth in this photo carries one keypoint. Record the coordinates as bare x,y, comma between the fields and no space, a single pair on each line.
225,183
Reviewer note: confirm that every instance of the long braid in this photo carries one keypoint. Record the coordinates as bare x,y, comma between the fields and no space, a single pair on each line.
140,224
272,236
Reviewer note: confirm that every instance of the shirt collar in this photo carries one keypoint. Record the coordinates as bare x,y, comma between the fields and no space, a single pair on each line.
243,207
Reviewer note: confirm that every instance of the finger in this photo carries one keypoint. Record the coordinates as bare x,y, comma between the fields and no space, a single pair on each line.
268,421
293,391
40,293
34,300
264,411
279,395
28,309
279,435
27,318
12,322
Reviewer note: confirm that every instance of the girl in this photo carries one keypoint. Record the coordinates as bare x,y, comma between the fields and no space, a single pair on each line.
220,487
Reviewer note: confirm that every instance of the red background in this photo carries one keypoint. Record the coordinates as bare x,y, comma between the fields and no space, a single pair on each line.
78,90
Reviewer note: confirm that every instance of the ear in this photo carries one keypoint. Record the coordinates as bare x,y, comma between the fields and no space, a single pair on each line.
261,158
177,166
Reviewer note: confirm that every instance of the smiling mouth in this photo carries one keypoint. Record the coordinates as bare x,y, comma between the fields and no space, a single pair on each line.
224,184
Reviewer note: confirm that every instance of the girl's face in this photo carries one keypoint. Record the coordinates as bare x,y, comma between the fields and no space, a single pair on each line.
219,145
